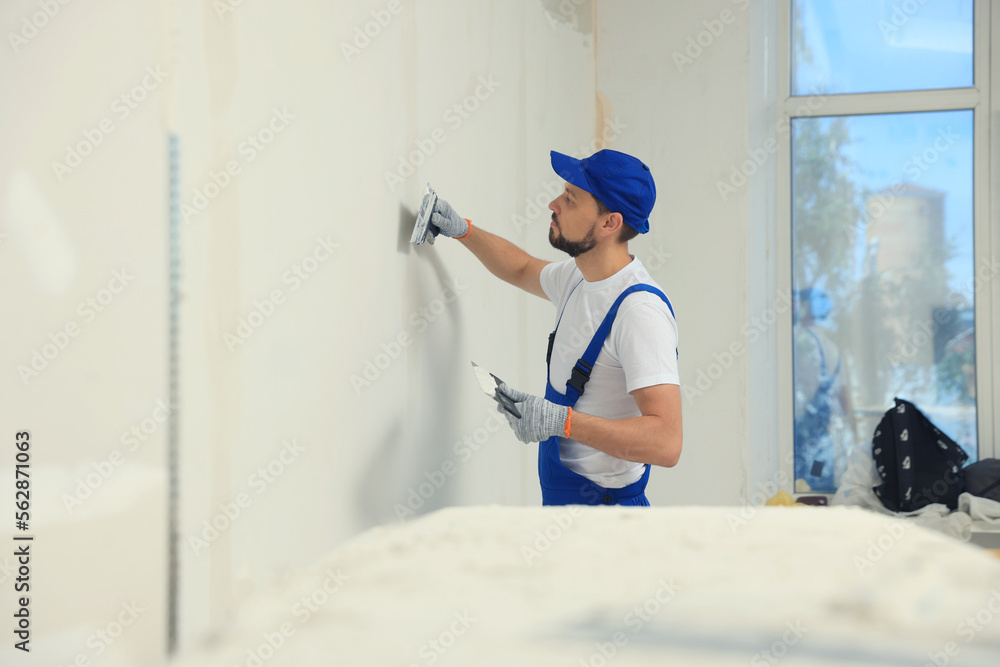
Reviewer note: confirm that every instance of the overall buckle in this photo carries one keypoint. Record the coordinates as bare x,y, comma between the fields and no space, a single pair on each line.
580,376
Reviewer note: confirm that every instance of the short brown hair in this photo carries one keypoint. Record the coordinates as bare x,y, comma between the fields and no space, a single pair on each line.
627,233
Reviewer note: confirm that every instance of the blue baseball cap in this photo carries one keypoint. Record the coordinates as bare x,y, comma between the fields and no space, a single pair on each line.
621,181
819,301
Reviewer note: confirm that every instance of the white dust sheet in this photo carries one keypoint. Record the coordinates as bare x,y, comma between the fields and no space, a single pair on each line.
576,586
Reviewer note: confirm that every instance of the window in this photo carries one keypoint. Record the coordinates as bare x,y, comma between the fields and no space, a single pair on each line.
867,46
883,225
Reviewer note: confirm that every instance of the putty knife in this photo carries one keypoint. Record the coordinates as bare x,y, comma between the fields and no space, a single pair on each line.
490,384
424,217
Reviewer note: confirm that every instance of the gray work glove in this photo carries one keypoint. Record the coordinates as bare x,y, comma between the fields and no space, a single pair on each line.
540,418
445,221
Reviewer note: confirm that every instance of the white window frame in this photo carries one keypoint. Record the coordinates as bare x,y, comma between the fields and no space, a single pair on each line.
772,108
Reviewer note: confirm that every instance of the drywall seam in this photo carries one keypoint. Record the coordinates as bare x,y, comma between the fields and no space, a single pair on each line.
598,106
223,299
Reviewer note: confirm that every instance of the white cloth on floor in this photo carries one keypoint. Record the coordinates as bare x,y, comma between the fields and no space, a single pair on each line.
861,476
980,509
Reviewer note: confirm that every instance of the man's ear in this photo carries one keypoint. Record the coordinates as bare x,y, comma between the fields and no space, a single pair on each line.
613,224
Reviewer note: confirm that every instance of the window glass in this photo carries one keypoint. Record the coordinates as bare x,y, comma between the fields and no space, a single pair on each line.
865,46
884,281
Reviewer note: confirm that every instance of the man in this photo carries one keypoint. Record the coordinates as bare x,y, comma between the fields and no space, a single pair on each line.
615,359
821,397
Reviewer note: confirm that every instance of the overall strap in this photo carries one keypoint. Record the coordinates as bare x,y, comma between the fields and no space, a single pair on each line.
822,356
561,312
581,371
552,336
822,360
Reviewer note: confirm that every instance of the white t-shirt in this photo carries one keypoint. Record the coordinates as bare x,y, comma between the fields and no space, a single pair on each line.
640,351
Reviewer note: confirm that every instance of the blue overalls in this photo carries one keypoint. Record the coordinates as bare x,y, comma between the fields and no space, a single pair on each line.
813,446
560,485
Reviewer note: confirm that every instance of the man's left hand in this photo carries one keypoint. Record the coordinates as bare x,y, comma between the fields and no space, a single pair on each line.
540,419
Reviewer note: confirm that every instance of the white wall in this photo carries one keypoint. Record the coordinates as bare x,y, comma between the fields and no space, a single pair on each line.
351,118
295,377
678,73
82,197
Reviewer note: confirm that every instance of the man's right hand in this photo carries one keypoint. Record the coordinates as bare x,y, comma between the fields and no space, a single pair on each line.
445,221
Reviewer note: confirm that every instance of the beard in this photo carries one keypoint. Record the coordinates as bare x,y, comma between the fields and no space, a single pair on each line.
572,248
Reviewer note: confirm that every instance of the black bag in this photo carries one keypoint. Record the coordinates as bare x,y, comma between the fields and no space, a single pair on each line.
919,465
983,479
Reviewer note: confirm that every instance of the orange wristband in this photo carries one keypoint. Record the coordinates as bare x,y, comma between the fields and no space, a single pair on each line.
459,238
569,416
